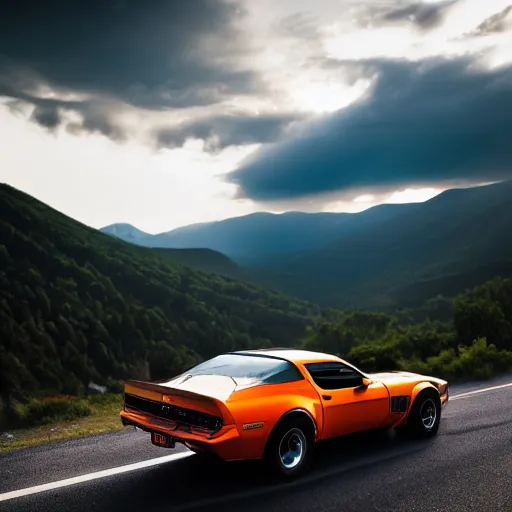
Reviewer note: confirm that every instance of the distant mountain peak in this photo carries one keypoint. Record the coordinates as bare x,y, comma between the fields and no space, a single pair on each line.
126,232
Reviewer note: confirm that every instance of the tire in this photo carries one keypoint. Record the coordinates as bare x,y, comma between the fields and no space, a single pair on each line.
290,447
425,415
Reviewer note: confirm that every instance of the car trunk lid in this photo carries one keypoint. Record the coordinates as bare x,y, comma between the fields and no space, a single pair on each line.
195,402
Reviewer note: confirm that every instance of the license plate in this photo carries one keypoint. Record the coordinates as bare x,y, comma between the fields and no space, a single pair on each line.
162,440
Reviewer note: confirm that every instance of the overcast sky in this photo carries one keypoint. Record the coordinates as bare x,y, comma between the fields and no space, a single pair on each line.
170,112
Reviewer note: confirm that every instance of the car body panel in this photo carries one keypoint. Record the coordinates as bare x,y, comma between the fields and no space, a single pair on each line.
266,405
350,410
248,409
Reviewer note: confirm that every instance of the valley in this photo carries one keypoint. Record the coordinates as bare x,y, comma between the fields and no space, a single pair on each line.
386,257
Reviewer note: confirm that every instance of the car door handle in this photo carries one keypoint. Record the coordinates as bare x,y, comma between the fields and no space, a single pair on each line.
326,397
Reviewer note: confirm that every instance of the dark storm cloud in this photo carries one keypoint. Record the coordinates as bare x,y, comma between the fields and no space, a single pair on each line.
424,123
47,116
146,53
155,55
50,113
95,120
227,130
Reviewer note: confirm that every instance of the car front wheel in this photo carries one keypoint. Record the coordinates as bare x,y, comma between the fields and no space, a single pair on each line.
425,415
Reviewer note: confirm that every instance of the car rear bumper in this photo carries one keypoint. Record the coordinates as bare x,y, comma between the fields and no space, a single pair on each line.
226,443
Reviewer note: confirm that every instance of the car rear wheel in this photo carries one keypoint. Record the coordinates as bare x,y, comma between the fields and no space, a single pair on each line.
425,415
290,447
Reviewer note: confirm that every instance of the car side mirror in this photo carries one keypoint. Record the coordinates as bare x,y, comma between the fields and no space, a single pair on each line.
366,382
364,385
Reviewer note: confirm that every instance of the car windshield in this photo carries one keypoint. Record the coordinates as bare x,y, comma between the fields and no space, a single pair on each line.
260,368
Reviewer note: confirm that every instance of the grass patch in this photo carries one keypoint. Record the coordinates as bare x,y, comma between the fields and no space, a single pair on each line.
49,410
55,419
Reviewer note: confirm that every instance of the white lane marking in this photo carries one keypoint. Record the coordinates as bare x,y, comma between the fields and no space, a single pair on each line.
477,391
93,476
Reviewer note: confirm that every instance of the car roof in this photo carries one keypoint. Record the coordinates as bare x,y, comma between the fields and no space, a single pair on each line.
292,355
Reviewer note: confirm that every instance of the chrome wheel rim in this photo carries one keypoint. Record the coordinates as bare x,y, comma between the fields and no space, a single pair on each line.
428,414
292,448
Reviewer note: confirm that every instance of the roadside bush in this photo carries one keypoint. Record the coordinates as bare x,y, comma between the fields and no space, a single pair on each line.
482,361
40,412
107,399
375,357
479,361
442,365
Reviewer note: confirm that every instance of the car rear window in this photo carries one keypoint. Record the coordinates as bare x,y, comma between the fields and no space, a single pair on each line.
266,370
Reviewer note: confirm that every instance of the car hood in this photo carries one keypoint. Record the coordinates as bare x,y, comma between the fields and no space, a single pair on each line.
398,376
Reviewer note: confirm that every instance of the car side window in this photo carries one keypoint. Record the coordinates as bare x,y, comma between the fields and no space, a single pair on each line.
334,375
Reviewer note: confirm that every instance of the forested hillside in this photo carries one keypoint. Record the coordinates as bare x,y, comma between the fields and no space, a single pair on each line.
78,305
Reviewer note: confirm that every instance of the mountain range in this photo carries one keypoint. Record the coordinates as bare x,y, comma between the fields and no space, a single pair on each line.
384,257
261,234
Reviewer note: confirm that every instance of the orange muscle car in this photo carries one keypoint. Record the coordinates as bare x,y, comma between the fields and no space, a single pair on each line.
276,404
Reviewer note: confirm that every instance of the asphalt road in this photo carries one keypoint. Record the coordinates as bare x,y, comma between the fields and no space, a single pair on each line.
467,467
